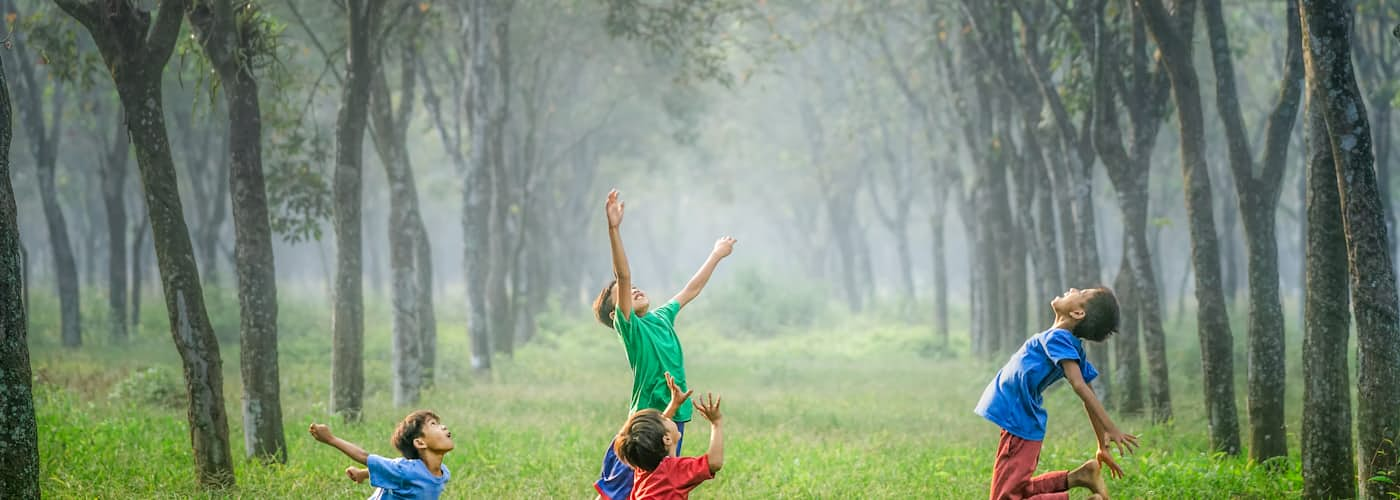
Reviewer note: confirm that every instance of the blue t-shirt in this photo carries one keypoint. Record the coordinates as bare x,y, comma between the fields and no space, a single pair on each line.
404,478
1013,399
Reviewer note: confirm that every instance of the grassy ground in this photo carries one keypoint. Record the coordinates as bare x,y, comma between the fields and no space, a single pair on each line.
855,407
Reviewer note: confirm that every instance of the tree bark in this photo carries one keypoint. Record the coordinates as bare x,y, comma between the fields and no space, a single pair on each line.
1329,467
19,444
225,35
1327,53
114,195
1213,323
348,324
1127,375
136,47
1258,188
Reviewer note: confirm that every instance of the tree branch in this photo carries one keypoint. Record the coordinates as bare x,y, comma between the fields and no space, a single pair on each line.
85,12
164,31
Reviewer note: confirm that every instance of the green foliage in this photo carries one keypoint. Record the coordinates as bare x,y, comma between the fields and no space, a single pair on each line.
752,304
61,45
297,189
157,386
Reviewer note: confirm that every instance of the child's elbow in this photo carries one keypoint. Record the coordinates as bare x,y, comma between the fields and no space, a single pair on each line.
715,466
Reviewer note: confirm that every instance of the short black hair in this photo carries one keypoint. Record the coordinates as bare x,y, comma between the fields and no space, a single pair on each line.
603,306
409,429
641,443
1100,315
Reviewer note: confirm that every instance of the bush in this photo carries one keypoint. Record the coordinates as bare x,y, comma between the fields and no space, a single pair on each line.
157,386
752,303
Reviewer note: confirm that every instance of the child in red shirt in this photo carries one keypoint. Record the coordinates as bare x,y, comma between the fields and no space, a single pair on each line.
647,442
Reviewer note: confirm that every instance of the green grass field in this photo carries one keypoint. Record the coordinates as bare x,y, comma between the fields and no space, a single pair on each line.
850,407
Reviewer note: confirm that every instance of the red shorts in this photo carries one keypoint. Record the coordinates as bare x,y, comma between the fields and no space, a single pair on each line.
1011,475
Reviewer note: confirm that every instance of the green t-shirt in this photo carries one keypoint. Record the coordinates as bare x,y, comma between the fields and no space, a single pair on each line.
653,349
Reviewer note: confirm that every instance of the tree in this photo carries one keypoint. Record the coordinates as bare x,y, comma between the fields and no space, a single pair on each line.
1212,321
19,444
42,124
348,324
136,46
1258,186
231,33
408,239
1327,53
113,173
1329,468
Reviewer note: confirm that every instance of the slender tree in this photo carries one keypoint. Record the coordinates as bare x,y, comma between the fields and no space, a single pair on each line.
19,444
1213,323
230,32
114,167
1327,35
1258,186
136,46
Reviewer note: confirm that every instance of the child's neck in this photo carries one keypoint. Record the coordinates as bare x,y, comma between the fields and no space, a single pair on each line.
1064,323
433,460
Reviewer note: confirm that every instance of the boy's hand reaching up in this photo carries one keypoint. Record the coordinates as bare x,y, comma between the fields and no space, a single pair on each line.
724,247
677,397
322,433
614,208
709,407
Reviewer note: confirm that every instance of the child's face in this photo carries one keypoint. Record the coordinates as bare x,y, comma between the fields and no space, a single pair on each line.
435,437
673,435
1071,304
640,303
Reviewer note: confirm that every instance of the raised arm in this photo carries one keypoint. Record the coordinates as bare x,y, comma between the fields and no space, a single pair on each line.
623,273
1104,429
323,434
723,248
709,407
677,397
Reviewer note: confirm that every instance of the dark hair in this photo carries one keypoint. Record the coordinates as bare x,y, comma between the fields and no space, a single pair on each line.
603,305
641,443
1100,316
409,429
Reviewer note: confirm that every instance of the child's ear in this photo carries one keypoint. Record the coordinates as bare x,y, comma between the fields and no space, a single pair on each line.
419,443
1077,314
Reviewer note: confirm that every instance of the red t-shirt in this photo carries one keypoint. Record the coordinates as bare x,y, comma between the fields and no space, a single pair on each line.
673,478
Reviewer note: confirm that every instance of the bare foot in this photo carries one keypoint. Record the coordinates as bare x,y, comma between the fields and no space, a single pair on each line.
1096,496
1088,476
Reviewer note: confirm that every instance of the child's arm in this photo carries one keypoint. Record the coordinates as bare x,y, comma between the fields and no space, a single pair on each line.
709,407
323,434
621,271
1104,429
357,474
677,397
723,248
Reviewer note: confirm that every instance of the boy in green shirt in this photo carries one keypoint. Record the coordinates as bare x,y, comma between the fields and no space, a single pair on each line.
653,349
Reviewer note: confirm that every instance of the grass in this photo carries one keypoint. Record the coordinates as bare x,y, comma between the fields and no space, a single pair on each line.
852,408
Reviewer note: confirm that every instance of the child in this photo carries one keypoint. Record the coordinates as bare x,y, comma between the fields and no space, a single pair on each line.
647,442
649,339
423,441
1013,401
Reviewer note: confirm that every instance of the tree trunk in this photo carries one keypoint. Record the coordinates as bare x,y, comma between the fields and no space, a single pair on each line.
1329,468
348,324
223,38
427,317
1213,323
1257,189
1326,41
114,195
484,22
138,246
940,272
19,448
1127,357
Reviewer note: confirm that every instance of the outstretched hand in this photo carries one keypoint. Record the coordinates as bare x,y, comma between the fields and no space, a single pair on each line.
709,407
1106,460
322,433
614,208
724,247
1126,443
677,397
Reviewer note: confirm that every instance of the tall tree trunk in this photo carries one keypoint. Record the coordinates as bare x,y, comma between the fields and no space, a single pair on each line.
138,246
43,139
136,47
1257,189
114,194
940,272
485,25
1326,41
1128,359
427,316
1329,467
1213,323
226,31
19,449
348,324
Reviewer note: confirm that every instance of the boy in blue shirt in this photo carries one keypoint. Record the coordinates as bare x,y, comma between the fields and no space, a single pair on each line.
1013,401
419,474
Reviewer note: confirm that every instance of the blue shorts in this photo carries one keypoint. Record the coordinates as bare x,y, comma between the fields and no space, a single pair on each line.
615,480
